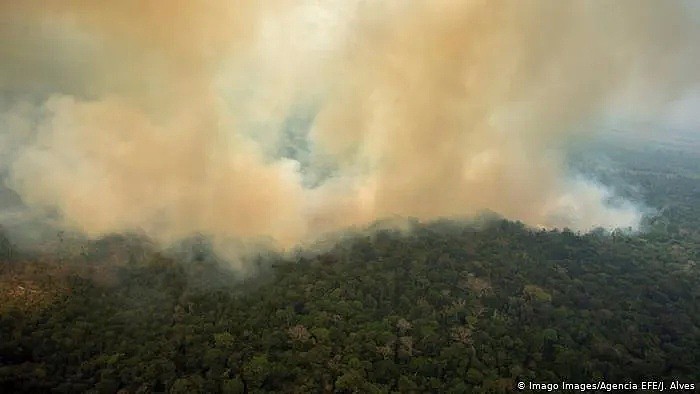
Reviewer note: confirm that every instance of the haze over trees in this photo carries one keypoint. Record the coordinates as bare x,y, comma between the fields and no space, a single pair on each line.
347,196
444,307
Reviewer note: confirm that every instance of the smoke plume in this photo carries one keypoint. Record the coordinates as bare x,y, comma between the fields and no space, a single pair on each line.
283,120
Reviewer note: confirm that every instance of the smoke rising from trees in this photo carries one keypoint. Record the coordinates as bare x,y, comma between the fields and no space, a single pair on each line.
175,117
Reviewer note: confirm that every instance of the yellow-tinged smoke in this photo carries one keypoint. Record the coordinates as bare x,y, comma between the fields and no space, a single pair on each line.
168,116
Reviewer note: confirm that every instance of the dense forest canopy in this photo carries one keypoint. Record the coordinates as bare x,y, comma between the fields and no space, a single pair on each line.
444,306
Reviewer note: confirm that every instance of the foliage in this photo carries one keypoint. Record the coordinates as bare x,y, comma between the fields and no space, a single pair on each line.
445,307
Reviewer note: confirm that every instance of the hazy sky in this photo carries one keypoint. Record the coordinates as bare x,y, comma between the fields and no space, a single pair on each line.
285,119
